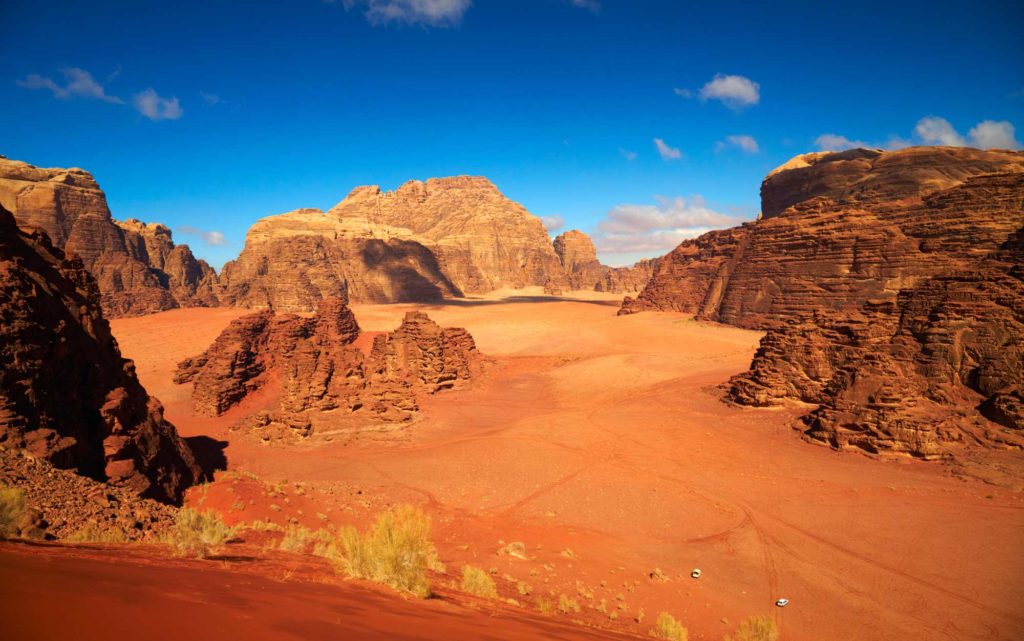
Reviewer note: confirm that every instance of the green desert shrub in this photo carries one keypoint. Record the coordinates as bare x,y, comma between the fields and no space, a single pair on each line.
666,627
395,551
198,533
760,628
12,510
476,581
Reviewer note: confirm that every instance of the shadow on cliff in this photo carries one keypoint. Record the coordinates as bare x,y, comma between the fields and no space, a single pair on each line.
209,453
411,268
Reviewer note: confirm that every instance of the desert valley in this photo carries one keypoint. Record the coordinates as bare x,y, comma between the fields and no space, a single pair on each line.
428,412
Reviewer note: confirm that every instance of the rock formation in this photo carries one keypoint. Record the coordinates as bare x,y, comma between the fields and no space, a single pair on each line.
891,286
293,261
66,394
311,366
483,241
583,271
138,268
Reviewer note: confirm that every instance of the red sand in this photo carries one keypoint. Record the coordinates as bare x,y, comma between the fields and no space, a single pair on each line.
599,441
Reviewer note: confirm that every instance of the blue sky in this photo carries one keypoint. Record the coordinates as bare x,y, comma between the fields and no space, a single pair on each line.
208,115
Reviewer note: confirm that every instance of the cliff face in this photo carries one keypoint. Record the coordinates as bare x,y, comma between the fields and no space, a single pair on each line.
483,241
293,261
66,394
316,368
138,268
891,286
583,271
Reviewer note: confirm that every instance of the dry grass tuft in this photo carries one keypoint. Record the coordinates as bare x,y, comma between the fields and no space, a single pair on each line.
476,581
95,533
567,604
760,628
198,534
12,510
666,627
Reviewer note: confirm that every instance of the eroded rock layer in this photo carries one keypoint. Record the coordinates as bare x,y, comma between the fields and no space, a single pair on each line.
66,394
138,268
890,286
313,367
583,271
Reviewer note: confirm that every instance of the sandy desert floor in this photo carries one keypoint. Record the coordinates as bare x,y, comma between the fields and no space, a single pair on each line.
601,444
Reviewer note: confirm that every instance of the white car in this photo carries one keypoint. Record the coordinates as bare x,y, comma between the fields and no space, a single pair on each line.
782,603
696,573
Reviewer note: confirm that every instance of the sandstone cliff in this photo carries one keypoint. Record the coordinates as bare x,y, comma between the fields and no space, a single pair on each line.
583,271
310,366
138,268
293,261
890,284
66,394
483,241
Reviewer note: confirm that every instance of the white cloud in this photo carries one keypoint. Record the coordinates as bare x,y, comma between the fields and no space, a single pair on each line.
154,107
990,134
938,131
735,91
627,154
934,130
656,229
552,223
215,238
80,84
434,13
835,142
667,153
682,93
744,142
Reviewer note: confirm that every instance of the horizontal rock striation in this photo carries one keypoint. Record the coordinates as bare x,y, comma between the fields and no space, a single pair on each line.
66,394
315,368
138,268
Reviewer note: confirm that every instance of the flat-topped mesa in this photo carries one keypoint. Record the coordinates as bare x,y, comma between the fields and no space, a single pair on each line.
319,376
66,394
483,241
137,266
583,271
292,261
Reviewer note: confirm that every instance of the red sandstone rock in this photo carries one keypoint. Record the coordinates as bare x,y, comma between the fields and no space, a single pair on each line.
318,370
138,268
583,271
66,394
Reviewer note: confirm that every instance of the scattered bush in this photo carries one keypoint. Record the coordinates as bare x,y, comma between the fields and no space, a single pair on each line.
756,629
12,510
544,605
567,604
396,551
198,533
296,538
95,533
524,588
476,581
666,627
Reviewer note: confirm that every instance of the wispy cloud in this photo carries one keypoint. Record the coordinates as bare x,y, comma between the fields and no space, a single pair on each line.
735,92
214,238
592,5
658,228
742,141
934,130
433,13
210,98
552,223
79,84
627,154
153,106
667,152
682,93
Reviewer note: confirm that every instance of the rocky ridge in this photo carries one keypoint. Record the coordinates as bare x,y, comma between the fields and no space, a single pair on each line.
891,288
66,394
313,370
138,268
583,271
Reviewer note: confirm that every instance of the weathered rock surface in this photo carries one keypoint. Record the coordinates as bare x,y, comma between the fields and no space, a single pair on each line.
483,241
313,366
293,261
138,268
891,287
584,271
66,394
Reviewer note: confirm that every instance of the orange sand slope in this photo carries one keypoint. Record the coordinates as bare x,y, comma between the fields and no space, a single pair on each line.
600,443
